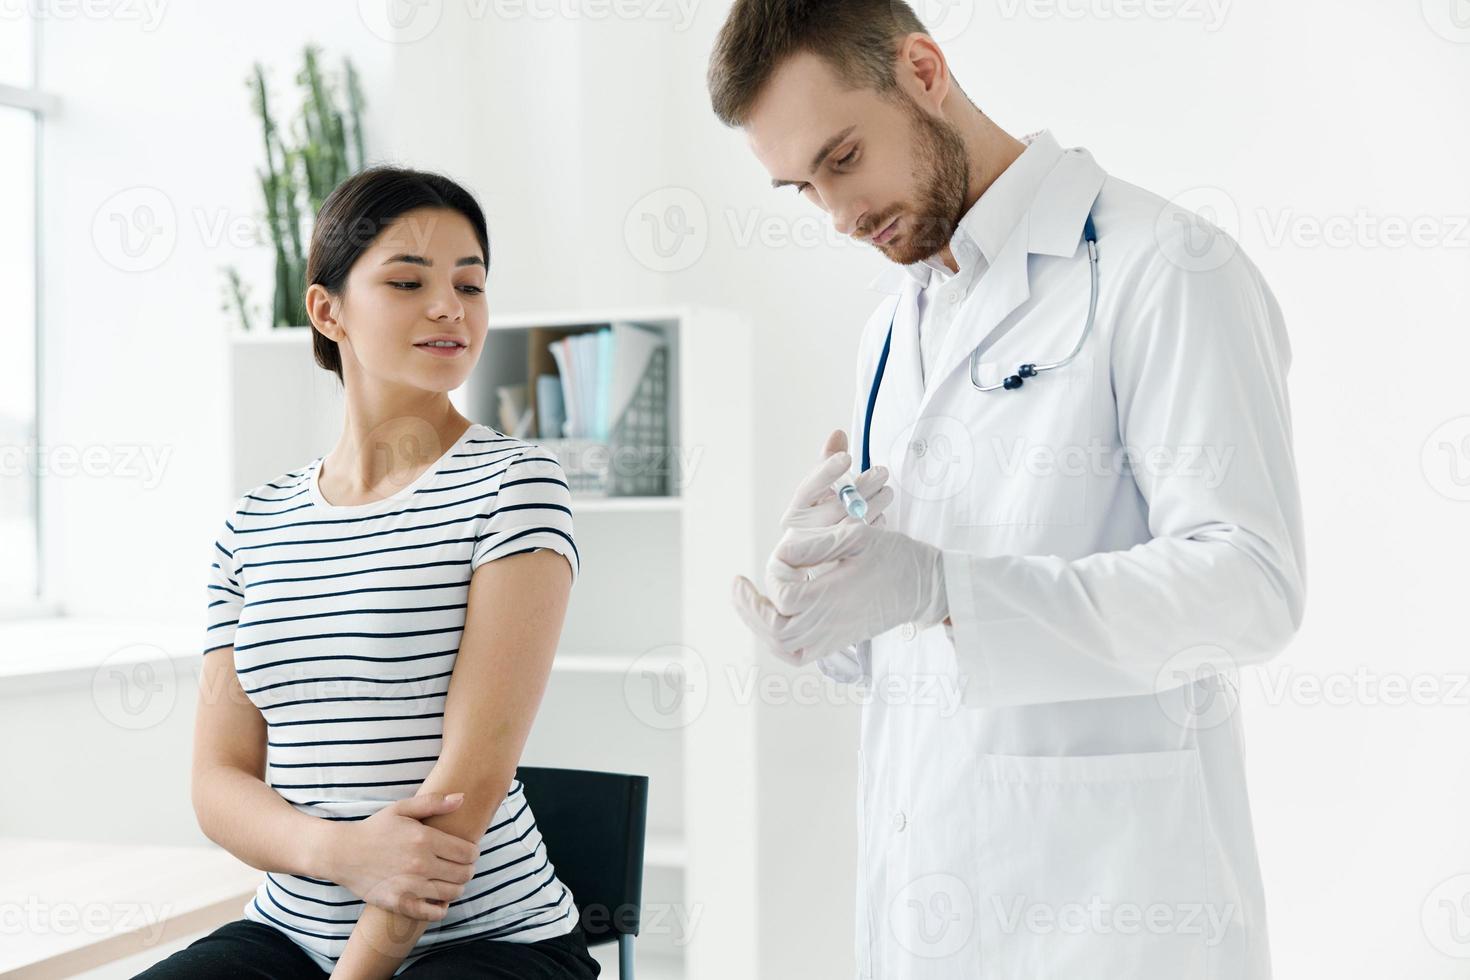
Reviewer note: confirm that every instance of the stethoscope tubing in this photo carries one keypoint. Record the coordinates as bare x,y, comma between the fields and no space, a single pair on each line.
1013,382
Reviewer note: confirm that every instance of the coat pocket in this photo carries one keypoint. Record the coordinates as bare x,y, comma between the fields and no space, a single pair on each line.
1096,867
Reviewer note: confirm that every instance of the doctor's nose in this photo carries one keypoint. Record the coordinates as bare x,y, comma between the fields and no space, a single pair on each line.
847,220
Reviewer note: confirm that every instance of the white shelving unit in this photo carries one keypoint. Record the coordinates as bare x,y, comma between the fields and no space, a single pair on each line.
650,628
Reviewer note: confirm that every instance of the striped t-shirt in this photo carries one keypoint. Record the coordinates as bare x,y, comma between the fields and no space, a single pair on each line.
346,622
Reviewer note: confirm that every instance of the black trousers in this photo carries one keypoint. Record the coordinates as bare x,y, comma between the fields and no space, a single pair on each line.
251,950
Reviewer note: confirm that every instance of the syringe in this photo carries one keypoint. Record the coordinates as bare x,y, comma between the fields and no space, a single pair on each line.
852,501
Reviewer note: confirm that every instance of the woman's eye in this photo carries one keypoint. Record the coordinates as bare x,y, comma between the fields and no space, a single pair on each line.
400,284
474,290
851,155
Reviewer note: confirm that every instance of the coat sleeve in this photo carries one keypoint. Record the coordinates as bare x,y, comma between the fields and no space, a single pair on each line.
1199,362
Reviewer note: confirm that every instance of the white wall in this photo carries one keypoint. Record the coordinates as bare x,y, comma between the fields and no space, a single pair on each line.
1312,113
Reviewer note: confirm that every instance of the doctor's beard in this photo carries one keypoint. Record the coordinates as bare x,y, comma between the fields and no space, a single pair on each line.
943,169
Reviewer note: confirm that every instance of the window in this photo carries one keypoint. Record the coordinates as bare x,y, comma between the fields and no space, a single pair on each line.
20,111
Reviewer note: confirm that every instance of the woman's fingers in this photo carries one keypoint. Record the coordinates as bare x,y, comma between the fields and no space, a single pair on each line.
452,848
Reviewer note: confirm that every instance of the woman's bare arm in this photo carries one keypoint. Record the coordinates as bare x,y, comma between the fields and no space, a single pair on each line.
234,806
512,625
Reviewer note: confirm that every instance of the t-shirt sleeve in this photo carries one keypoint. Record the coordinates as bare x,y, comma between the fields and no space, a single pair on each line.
226,595
533,509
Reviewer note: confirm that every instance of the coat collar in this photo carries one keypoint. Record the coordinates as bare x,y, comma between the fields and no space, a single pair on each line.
1048,222
990,221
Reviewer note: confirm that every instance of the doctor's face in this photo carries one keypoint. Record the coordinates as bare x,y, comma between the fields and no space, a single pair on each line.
890,171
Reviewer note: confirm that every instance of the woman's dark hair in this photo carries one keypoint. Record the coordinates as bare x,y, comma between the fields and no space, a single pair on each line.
357,211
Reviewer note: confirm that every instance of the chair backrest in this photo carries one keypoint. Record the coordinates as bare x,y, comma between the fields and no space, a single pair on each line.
593,825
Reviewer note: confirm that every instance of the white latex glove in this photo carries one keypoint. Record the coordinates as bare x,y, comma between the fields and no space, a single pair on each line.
816,505
882,579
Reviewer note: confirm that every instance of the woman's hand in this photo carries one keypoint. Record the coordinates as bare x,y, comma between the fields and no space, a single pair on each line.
397,863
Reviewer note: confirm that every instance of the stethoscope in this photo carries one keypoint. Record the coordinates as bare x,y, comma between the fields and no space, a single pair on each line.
1089,233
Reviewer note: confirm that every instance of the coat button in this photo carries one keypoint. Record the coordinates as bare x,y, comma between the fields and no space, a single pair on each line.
908,631
900,821
918,447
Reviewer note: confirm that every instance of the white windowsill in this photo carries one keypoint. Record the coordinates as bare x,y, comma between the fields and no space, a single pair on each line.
58,645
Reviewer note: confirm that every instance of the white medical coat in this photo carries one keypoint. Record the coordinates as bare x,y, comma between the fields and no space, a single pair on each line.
1054,787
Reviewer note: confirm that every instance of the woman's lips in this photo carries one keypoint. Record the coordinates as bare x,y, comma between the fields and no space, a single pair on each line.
441,351
882,237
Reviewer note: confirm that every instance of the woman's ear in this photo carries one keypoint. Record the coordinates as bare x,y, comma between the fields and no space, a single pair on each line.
321,309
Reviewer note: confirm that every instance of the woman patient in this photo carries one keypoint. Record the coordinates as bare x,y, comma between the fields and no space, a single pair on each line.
382,622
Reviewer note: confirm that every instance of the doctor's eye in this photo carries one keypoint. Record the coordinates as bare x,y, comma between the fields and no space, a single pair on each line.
399,284
848,158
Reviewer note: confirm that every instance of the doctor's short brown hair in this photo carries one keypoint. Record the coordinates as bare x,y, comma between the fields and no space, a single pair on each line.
858,38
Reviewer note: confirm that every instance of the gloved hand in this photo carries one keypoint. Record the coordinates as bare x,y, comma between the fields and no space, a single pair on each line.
814,506
881,580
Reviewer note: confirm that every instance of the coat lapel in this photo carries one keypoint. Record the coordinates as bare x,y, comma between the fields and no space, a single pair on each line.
1052,225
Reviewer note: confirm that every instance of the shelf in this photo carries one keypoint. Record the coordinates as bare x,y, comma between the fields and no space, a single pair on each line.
665,851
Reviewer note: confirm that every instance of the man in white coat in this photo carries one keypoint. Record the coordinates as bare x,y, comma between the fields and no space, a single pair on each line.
1087,554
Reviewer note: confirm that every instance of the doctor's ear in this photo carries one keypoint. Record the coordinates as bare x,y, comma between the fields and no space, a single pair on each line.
921,71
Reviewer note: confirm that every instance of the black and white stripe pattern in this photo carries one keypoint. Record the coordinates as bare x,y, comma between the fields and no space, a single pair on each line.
345,623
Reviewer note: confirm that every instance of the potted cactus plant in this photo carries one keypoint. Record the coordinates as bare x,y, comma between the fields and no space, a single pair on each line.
322,146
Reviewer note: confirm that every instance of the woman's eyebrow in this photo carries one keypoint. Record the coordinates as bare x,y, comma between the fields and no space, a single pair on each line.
421,260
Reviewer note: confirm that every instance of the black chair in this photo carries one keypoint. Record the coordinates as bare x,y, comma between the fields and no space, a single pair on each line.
592,824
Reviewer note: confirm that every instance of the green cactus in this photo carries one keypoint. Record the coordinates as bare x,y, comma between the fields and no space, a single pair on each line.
323,148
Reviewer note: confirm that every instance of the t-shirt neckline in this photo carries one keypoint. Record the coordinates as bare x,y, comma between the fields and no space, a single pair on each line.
397,497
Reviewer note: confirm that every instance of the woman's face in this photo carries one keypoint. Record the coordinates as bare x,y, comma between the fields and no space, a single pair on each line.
422,279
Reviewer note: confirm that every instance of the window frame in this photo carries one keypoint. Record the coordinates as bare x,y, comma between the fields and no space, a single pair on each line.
30,98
